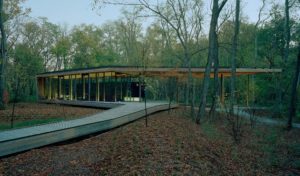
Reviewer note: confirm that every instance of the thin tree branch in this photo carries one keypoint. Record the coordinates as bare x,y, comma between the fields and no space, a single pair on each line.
222,5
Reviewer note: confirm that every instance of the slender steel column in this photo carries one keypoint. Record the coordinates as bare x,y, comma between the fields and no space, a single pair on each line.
56,96
115,87
104,99
83,89
177,91
50,88
71,87
222,89
64,85
126,90
140,89
59,83
97,87
89,87
121,83
75,87
130,92
248,89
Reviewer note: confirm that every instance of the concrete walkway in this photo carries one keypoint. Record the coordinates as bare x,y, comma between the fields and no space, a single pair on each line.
265,120
18,140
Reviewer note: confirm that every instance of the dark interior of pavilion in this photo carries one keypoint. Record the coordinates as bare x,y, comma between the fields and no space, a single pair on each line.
107,86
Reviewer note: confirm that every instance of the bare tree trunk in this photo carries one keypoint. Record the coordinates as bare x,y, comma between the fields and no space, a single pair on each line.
234,56
3,56
190,85
189,81
212,48
145,101
287,31
206,80
256,29
216,80
285,57
16,93
193,98
170,95
292,109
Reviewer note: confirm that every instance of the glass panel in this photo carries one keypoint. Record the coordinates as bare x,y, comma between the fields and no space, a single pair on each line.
107,74
79,87
93,75
85,87
93,91
100,74
78,76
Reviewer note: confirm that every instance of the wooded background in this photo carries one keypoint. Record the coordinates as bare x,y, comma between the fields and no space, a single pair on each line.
176,38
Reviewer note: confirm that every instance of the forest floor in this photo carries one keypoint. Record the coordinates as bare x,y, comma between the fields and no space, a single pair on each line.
28,114
171,145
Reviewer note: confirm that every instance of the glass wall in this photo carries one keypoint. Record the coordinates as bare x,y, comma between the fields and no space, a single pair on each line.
108,86
79,87
92,86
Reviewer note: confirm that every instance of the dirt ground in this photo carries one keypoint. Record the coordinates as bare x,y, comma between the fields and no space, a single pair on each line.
30,111
170,145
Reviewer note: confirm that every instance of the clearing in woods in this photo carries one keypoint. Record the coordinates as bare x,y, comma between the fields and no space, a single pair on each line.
171,144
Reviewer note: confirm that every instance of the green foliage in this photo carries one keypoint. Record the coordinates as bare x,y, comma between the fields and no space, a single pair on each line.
39,46
26,65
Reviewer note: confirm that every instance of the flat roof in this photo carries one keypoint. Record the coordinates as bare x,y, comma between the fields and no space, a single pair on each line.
197,72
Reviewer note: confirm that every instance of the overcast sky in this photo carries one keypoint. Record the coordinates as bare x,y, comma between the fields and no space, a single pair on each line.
75,12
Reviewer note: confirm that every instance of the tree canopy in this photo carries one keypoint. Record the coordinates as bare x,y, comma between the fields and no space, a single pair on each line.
175,38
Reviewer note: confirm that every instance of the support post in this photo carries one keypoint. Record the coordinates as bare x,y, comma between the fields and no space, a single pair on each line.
121,91
140,89
177,91
115,88
253,90
83,87
64,88
222,89
37,88
59,85
104,99
89,87
130,93
56,94
50,88
97,87
75,89
248,89
145,100
126,90
71,87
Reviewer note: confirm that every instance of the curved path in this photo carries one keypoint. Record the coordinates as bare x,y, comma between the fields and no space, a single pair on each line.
262,119
240,111
19,140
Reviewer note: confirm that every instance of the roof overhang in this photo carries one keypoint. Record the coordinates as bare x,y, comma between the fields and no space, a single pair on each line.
162,71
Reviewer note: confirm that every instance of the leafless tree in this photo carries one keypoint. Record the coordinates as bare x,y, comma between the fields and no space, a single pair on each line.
234,56
212,54
3,54
258,22
292,109
182,16
216,98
